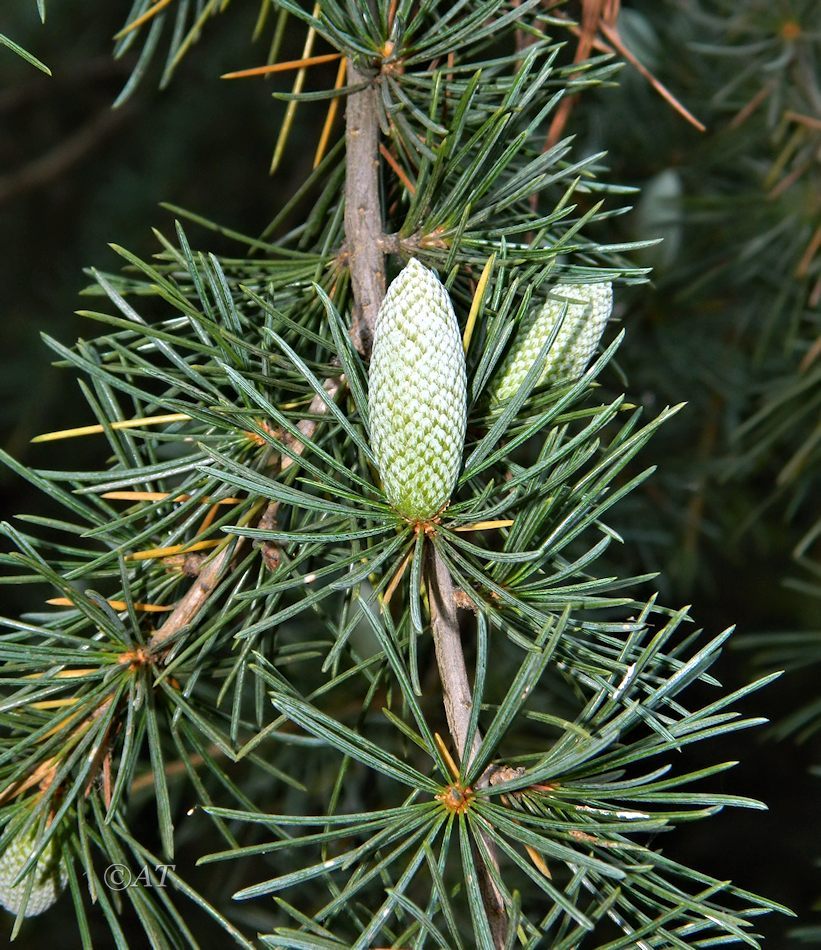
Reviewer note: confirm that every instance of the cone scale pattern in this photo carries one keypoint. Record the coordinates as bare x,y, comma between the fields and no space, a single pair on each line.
50,877
588,310
417,394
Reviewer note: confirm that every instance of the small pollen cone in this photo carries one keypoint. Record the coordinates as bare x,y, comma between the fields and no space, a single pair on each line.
417,395
588,310
50,876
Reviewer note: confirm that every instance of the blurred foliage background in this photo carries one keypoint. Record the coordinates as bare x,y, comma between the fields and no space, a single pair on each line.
730,323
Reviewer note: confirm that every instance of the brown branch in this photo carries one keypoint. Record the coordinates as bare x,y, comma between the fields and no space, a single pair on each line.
592,12
363,215
195,598
211,573
318,406
458,700
447,641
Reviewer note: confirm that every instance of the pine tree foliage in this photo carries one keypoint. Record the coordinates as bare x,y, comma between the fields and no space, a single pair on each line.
736,308
240,620
736,314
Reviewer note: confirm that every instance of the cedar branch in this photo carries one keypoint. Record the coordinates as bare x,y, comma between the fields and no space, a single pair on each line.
458,701
447,641
366,244
363,214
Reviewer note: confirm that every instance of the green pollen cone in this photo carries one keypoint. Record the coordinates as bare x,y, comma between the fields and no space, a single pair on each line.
417,394
50,876
588,310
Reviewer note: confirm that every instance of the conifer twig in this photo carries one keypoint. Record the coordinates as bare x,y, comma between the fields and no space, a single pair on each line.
363,215
365,242
209,576
447,641
458,701
195,597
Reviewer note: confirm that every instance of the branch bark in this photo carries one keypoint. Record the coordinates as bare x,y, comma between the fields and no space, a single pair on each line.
194,599
458,699
450,658
363,213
